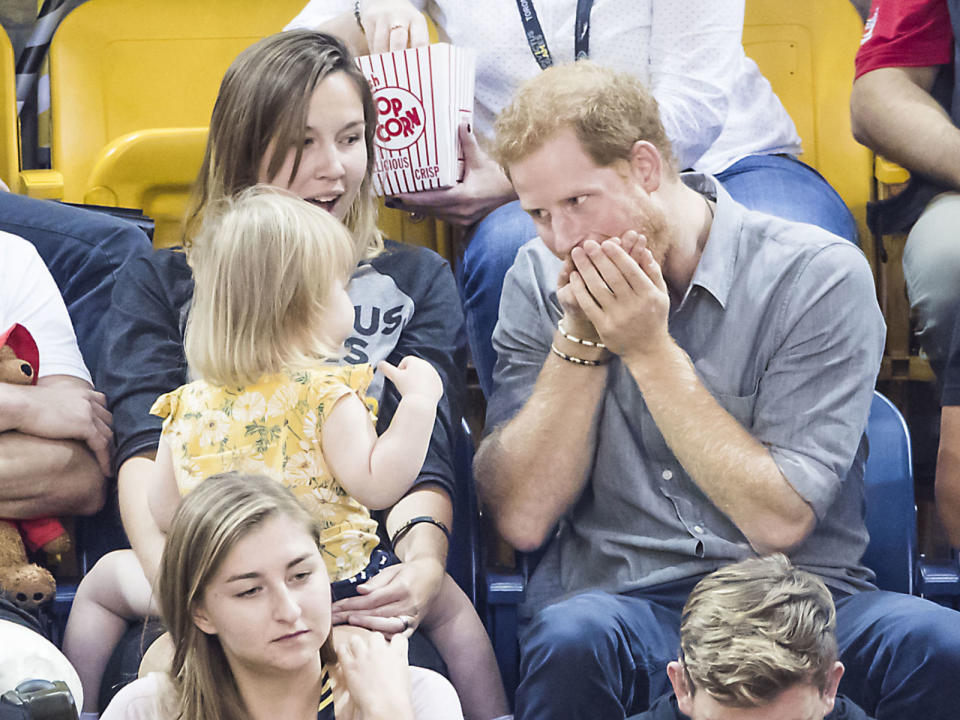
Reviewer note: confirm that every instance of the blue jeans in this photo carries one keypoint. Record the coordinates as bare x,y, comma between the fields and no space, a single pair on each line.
783,186
491,250
931,268
598,655
774,184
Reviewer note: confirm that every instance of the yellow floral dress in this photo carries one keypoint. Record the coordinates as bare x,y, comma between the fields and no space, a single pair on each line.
273,427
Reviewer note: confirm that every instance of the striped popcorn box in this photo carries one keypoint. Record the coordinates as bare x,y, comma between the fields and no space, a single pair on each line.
422,96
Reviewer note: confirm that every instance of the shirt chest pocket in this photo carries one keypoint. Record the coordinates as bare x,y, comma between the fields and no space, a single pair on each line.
740,407
726,389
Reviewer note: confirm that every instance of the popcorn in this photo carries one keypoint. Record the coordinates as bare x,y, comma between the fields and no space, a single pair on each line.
422,96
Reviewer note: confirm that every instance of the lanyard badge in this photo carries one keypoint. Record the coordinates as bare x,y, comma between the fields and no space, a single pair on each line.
538,41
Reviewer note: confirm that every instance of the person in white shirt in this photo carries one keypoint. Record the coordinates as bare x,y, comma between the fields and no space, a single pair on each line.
54,436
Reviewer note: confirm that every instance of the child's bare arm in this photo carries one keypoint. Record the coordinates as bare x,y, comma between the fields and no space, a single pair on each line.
164,495
455,629
377,471
163,498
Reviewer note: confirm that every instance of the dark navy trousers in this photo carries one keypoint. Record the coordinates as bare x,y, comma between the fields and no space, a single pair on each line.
599,655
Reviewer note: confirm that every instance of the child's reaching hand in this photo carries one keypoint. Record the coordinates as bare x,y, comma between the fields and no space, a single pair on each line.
378,471
414,377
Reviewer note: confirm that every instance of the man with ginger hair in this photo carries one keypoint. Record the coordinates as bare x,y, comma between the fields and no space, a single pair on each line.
681,384
757,642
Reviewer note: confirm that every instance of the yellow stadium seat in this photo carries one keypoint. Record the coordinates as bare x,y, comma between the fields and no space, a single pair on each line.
806,50
151,170
9,134
122,67
900,361
889,173
417,230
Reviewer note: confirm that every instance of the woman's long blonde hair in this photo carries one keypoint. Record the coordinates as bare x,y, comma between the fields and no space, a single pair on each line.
265,97
264,267
207,525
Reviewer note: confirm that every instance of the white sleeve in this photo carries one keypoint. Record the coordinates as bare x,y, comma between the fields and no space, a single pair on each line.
433,696
29,296
319,11
136,701
148,698
695,57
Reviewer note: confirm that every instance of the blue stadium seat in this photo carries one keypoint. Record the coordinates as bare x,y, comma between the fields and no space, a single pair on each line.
504,594
891,513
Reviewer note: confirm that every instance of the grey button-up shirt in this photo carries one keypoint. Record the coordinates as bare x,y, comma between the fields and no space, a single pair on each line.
782,324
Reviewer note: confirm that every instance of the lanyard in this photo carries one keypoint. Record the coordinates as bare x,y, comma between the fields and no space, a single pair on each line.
538,43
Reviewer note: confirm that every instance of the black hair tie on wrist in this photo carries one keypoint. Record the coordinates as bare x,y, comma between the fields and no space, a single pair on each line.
408,526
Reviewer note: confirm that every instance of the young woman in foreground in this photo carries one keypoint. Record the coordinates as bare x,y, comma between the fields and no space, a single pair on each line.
244,593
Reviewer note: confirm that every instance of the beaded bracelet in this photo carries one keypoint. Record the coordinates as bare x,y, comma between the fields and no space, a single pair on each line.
408,526
579,341
575,360
356,14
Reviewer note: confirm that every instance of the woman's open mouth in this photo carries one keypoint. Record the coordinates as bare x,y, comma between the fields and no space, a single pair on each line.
325,203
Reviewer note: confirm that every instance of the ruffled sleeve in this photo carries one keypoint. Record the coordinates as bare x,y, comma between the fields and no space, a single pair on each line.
339,381
166,405
356,377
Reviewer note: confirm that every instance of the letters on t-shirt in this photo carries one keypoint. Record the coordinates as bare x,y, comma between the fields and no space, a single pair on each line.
381,311
367,322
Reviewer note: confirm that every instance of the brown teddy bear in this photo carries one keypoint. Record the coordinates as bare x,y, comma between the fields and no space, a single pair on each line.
23,583
26,584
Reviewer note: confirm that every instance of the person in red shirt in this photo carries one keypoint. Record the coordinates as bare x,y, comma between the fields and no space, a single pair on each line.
905,105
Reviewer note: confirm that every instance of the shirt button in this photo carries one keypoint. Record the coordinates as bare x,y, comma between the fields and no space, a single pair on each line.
698,529
667,474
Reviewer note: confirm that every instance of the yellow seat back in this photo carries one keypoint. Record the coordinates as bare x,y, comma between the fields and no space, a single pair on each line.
9,132
122,66
806,50
151,170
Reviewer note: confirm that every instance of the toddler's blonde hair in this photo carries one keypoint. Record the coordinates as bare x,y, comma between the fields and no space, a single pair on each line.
264,267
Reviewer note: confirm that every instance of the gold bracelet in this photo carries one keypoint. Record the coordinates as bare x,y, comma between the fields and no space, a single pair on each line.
575,360
579,341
